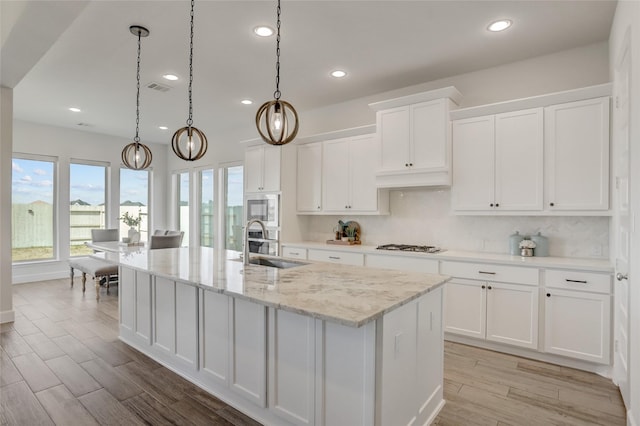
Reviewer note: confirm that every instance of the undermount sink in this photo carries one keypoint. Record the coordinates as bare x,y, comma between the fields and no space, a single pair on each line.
275,263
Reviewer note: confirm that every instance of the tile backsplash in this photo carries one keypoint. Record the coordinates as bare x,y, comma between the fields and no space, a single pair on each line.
423,216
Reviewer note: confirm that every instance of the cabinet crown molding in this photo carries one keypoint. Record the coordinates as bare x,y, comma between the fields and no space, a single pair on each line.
449,92
548,99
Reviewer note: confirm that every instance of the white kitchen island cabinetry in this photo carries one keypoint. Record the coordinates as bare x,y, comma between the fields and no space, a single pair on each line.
267,341
498,162
262,168
486,308
578,315
577,162
415,134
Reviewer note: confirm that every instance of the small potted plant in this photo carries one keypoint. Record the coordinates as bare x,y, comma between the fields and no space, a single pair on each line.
351,232
132,222
526,248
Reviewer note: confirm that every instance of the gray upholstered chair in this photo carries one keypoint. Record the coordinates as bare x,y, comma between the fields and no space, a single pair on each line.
181,233
99,235
165,241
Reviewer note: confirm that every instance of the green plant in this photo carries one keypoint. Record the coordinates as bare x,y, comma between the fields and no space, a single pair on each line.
350,231
130,220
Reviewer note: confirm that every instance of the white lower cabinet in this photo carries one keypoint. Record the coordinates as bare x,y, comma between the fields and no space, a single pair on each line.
578,315
134,300
214,335
336,256
402,263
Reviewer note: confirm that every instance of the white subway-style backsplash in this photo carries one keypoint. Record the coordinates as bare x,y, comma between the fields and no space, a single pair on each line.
423,216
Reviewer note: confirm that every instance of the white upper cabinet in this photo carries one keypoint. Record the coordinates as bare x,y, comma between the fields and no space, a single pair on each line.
498,162
349,175
415,135
577,163
262,169
309,182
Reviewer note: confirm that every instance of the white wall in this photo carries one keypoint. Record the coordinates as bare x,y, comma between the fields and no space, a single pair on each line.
6,122
627,18
423,216
68,144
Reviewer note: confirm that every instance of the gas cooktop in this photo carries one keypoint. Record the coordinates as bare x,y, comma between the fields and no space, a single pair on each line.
408,247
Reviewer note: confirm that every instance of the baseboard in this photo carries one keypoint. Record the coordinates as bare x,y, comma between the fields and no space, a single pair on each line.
41,276
7,316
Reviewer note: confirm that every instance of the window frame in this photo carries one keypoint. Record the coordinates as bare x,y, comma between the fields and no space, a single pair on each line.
149,171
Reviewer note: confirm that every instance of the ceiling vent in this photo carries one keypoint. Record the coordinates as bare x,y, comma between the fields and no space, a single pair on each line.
159,87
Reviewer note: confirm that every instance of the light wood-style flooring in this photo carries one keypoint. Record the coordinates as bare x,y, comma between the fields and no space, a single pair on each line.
62,363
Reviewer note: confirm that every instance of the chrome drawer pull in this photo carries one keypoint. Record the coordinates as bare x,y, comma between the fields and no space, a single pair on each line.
575,281
487,273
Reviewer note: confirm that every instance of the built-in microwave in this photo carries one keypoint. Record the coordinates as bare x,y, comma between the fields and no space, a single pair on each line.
264,207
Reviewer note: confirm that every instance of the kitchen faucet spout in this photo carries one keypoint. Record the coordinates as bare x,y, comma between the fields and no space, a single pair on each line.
245,248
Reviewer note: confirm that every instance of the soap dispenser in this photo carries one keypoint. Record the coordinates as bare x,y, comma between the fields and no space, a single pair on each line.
514,243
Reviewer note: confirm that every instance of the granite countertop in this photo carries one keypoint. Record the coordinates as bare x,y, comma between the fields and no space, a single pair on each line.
348,295
583,264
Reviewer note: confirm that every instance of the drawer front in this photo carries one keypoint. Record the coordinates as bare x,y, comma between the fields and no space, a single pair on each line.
485,272
294,252
578,280
402,263
345,258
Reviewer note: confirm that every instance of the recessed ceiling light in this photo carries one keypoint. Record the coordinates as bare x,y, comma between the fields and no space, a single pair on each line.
74,109
338,73
263,31
170,77
500,25
246,102
163,127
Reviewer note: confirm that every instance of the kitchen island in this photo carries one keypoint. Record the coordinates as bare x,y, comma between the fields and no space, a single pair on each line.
314,344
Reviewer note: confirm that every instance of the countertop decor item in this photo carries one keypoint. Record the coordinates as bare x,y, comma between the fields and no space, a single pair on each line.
526,248
344,242
277,120
514,241
194,146
542,245
136,155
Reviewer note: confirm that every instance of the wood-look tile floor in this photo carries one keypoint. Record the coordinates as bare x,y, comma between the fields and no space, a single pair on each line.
62,363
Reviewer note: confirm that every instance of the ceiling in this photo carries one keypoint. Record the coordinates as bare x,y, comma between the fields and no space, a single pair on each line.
83,55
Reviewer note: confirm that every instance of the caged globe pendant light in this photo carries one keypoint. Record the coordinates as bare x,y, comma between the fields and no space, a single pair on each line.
277,120
189,143
136,155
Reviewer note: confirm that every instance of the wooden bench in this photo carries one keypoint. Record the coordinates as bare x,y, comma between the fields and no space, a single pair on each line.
96,268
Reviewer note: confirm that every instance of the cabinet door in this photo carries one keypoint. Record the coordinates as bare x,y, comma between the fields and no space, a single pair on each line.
143,307
363,163
578,325
126,299
309,182
253,174
271,169
512,314
215,332
164,315
465,308
577,166
393,129
335,173
186,324
519,167
473,164
429,135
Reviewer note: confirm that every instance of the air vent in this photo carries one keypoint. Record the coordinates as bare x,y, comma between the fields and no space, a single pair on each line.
157,86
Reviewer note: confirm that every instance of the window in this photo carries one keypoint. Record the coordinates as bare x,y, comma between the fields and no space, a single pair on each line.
87,195
134,199
33,205
233,215
207,207
183,203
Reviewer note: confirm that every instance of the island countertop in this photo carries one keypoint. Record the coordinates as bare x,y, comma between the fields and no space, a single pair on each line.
348,295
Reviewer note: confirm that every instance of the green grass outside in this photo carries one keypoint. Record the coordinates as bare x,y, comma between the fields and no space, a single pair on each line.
45,253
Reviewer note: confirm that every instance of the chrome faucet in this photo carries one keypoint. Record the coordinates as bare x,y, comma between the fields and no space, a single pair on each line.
245,248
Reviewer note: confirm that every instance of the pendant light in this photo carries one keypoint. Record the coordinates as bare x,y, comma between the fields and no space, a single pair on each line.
189,143
277,120
137,155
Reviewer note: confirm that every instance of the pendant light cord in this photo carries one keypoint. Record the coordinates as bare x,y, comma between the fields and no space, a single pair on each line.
137,138
277,93
190,119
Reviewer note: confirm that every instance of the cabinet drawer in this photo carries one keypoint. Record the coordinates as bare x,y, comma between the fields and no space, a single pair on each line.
578,280
497,273
294,252
345,258
402,263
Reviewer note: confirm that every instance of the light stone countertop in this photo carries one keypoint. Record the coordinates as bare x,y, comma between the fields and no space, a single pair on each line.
583,264
348,295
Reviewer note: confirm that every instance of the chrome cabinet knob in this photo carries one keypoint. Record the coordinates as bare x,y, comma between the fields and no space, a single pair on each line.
621,277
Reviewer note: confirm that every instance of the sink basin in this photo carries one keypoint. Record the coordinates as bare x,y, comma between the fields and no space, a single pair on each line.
275,263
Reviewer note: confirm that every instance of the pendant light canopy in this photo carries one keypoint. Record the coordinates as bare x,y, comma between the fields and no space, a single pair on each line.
137,155
189,143
277,120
